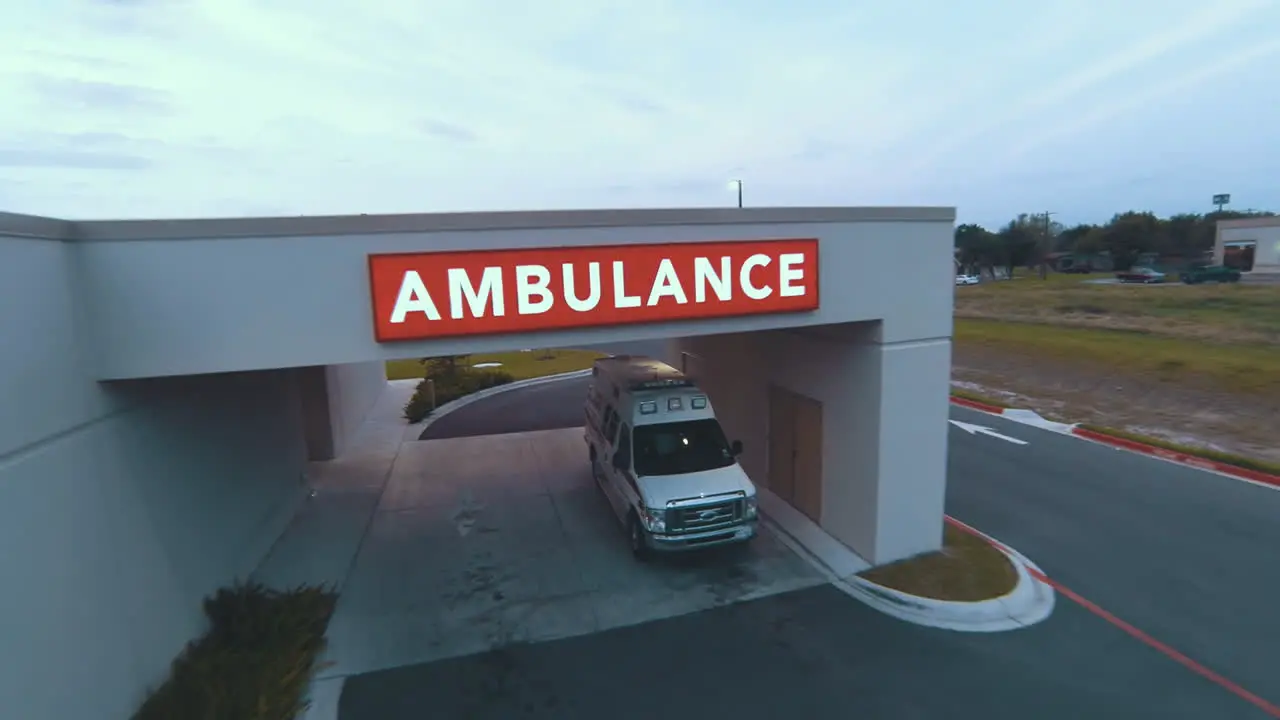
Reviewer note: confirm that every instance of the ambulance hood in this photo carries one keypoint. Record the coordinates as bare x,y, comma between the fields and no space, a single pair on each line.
661,489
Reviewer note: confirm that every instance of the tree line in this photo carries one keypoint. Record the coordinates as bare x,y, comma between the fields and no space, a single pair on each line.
1033,239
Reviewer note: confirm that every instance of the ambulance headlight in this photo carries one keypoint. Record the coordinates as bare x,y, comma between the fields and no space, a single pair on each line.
655,520
750,507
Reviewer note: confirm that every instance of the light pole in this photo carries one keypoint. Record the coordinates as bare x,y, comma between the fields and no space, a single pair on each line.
737,184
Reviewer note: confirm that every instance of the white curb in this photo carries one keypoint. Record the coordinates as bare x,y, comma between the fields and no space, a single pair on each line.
1030,601
415,430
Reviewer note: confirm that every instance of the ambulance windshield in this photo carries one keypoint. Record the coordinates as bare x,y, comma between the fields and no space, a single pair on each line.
680,447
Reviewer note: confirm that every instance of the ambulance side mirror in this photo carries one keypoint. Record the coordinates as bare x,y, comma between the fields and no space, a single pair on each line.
736,448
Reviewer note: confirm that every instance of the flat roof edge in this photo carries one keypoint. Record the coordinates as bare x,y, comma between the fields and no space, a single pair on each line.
35,227
1253,222
479,221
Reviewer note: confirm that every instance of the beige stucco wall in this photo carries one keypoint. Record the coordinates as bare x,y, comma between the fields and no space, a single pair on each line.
885,409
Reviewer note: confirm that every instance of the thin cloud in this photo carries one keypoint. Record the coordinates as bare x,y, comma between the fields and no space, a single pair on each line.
639,104
98,95
71,160
1140,96
1199,26
448,131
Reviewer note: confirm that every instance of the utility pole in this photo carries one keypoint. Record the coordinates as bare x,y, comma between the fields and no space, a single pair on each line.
1046,245
737,184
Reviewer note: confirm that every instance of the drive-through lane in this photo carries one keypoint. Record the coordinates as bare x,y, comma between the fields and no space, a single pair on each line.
1186,556
1176,552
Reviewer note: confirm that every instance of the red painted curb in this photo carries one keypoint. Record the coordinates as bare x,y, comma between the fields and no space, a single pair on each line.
1141,447
1179,457
965,402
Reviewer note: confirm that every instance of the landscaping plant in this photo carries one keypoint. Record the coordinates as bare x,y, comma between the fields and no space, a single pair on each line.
452,378
256,660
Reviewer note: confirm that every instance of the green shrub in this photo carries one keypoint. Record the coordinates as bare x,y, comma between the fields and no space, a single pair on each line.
254,663
450,386
419,405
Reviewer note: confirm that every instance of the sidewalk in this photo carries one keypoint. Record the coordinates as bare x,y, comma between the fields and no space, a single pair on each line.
321,542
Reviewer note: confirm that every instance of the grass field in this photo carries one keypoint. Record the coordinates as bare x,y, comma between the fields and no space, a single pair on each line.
1244,368
520,365
1194,365
1230,313
1229,334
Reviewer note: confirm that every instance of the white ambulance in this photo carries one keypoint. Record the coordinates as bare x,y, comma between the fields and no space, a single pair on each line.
662,459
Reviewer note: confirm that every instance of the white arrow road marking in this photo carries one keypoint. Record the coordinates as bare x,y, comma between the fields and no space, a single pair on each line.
980,430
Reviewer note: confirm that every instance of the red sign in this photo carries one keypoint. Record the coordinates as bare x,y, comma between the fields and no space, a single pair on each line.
443,294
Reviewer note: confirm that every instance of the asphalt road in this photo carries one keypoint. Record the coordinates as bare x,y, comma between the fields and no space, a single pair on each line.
1191,558
549,406
810,654
1186,557
540,407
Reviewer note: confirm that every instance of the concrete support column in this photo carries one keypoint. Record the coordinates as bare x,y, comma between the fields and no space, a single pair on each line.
911,464
313,395
335,400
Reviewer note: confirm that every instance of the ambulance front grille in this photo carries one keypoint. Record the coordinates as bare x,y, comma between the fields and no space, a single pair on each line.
705,517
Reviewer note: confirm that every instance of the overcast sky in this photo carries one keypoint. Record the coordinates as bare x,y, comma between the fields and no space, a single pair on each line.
177,108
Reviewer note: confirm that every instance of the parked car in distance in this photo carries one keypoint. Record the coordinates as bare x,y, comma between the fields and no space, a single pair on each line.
1140,275
967,280
1210,273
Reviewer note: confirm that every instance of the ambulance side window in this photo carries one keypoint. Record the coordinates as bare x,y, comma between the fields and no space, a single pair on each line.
624,444
610,425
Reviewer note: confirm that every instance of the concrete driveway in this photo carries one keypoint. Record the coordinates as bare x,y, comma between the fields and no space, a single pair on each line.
816,653
489,540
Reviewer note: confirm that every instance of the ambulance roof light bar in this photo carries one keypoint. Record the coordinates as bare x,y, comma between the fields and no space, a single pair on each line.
659,383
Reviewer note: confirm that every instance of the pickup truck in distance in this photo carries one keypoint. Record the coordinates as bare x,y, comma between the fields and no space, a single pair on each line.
1210,273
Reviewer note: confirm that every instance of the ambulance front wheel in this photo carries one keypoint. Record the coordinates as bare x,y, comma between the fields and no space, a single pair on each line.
639,542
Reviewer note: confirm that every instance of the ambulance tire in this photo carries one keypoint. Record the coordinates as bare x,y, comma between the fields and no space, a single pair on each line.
635,534
595,465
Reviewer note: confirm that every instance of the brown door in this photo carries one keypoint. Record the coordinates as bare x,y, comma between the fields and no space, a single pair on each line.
807,471
795,450
781,444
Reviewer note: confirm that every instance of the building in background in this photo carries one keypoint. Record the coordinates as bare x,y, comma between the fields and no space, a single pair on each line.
1251,245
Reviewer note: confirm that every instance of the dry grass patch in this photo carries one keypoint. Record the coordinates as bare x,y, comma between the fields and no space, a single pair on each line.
1228,313
966,569
977,397
1249,369
1221,457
